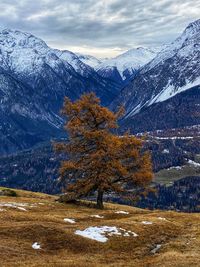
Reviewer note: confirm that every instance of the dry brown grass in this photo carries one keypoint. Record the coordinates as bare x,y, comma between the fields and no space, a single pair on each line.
179,236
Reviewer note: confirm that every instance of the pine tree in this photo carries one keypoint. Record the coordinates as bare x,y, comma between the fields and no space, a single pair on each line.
98,160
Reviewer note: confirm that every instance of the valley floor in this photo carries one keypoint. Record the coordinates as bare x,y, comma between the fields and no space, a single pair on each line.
35,230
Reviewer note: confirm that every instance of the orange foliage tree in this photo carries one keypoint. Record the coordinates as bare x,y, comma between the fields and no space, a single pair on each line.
98,160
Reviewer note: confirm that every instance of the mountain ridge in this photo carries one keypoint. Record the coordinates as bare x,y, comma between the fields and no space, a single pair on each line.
34,79
127,64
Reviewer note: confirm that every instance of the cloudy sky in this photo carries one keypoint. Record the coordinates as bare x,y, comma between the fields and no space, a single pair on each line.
103,28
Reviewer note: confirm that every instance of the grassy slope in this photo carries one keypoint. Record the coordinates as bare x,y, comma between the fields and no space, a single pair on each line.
167,176
179,236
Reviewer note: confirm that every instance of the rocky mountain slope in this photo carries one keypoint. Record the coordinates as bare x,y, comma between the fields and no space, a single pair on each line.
33,82
182,110
174,70
36,230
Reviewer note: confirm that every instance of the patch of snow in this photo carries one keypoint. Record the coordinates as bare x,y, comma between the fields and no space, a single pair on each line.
174,137
170,90
174,167
122,212
135,110
98,233
20,208
126,234
36,246
69,220
146,222
158,246
195,164
165,151
97,216
16,205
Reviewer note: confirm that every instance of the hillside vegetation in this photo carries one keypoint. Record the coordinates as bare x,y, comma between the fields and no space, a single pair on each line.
36,230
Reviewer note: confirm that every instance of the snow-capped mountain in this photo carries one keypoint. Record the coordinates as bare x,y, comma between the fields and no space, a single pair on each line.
125,65
35,78
175,69
33,82
23,53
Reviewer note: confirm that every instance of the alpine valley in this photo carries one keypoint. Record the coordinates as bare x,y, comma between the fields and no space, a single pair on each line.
158,86
33,82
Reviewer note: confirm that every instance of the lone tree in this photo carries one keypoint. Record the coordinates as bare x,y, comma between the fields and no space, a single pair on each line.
99,160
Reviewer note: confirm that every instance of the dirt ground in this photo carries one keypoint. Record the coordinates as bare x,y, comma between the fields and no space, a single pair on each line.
32,217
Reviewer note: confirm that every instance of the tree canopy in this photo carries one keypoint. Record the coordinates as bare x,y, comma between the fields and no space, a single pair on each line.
97,159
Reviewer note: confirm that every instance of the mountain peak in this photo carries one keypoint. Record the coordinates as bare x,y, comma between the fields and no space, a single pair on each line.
193,26
192,31
129,62
12,38
186,44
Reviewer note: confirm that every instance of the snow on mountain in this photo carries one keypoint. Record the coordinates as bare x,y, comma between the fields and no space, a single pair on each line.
170,90
186,43
23,52
175,69
129,62
28,58
89,60
79,65
187,47
33,82
178,111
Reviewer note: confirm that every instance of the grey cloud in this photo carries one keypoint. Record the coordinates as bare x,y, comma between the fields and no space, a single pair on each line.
100,23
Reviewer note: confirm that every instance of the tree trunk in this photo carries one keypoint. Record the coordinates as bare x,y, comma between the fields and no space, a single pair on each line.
100,199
